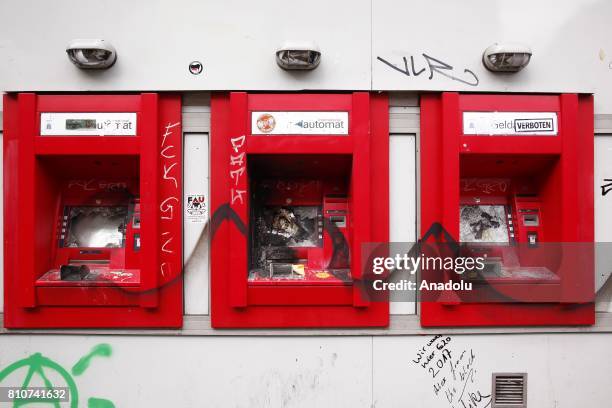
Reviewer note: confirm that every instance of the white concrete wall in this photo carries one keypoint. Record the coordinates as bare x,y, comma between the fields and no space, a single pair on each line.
156,40
236,40
564,371
569,370
570,40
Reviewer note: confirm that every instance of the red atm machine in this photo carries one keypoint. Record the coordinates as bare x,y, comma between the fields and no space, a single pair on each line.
92,211
508,176
299,182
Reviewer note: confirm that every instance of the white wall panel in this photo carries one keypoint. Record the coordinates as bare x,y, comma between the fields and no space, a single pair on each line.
571,43
603,222
564,370
236,40
266,372
402,199
156,40
195,232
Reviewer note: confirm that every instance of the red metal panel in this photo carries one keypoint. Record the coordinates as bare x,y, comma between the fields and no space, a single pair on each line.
304,296
169,271
567,195
12,294
25,192
88,297
239,193
89,103
585,151
361,179
303,102
509,103
79,146
379,161
507,144
235,302
302,145
451,128
149,197
37,167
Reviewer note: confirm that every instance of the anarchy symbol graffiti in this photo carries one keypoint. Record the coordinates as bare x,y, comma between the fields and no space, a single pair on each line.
40,368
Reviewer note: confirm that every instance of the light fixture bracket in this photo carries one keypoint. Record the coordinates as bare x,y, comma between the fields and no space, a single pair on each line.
298,56
91,53
506,57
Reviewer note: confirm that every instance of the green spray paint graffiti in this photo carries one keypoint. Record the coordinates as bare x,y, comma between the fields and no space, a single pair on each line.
103,350
40,366
37,364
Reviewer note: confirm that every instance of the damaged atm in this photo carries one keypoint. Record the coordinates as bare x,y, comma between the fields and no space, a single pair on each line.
92,220
293,199
509,178
299,226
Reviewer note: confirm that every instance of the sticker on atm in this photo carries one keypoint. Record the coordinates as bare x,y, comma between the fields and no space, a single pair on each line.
195,208
510,123
88,124
300,123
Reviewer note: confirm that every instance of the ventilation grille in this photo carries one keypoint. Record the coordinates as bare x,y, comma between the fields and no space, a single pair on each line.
509,390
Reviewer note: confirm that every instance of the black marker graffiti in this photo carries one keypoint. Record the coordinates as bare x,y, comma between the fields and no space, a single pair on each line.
434,65
605,189
452,372
223,213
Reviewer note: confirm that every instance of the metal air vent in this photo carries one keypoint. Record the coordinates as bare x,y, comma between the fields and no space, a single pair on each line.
509,390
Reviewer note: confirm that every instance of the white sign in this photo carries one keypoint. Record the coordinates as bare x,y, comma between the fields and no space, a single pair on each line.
510,123
195,208
299,123
88,124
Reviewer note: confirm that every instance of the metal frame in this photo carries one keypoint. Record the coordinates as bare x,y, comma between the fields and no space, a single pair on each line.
400,325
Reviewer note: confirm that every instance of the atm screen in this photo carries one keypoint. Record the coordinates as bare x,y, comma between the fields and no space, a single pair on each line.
95,227
282,235
76,124
483,223
288,226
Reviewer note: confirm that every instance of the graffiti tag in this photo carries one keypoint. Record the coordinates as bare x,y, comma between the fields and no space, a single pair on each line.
432,66
41,368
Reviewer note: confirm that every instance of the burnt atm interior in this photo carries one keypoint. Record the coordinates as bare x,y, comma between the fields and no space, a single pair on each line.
299,218
95,239
509,206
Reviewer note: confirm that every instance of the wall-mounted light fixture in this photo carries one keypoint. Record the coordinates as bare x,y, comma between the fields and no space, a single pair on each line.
298,56
91,54
506,57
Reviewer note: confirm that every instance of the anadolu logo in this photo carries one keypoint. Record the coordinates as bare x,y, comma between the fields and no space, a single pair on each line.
266,123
